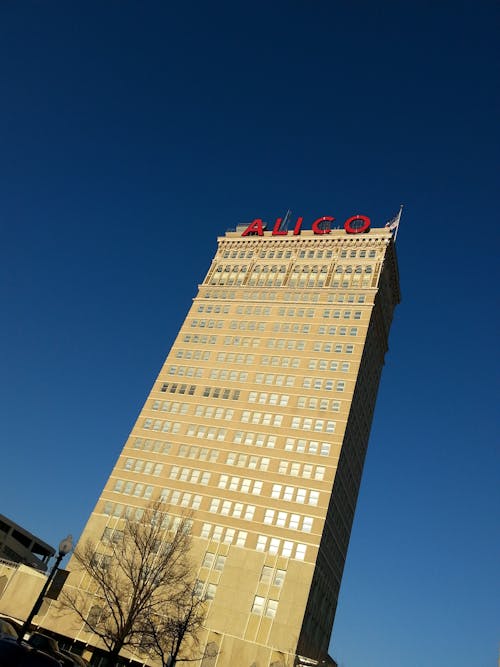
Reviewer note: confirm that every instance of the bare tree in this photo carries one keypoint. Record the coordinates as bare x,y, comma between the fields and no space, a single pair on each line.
138,572
177,627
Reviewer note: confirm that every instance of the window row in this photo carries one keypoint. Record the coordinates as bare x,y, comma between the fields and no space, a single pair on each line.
318,346
118,510
301,446
142,466
242,342
217,294
287,520
257,439
325,365
321,383
131,489
272,576
340,331
224,374
263,398
188,371
352,280
241,485
209,308
203,355
265,418
174,388
196,338
296,312
221,392
183,499
204,590
160,425
247,325
238,253
314,297
232,268
192,475
209,324
294,494
269,268
273,545
265,295
211,412
286,327
206,432
346,298
306,268
225,535
305,470
232,357
246,461
309,424
285,344
360,253
357,269
111,535
279,380
147,445
318,403
315,253
170,406
253,310
199,453
346,315
264,607
285,362
214,433
228,508
214,561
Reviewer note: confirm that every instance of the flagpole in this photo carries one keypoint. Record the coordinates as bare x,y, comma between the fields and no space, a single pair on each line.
399,218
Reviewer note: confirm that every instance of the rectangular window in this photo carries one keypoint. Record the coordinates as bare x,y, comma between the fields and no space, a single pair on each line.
300,551
241,539
210,592
274,546
271,607
258,605
279,577
313,497
261,543
269,517
217,534
281,520
229,535
249,512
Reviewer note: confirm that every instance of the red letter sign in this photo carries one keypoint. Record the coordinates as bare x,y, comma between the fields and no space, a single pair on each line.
276,228
316,224
298,225
357,230
255,226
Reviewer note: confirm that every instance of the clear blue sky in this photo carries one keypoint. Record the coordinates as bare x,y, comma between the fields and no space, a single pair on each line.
129,127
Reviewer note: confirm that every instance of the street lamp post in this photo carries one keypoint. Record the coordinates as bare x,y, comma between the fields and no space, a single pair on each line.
65,547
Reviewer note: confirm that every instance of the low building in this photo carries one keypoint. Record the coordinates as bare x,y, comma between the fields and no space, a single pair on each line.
20,546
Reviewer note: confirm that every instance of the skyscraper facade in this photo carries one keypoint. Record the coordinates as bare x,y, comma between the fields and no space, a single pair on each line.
258,423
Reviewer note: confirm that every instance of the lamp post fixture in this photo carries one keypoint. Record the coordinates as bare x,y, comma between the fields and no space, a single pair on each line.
65,547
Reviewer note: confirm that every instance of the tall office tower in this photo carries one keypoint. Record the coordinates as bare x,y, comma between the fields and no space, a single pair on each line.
258,422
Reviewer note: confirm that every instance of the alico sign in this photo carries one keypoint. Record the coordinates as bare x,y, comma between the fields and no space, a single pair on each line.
356,224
